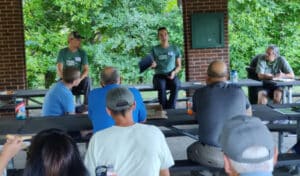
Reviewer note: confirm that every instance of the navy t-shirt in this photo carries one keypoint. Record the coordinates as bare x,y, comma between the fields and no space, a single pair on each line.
213,105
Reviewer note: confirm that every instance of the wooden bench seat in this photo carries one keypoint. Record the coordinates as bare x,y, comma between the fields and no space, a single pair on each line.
287,159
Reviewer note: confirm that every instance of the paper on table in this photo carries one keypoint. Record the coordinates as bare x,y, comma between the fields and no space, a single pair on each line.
283,79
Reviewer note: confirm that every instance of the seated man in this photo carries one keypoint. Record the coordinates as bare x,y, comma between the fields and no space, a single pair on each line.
130,148
248,147
110,79
59,99
213,105
74,56
269,66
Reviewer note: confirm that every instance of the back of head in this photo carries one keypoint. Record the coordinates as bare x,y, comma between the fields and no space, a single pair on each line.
248,143
119,100
70,74
217,70
53,153
109,75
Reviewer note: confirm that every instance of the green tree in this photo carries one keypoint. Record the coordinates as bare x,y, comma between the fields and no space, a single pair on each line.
117,32
254,24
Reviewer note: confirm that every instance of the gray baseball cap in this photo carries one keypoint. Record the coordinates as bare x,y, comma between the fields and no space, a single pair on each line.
242,132
118,99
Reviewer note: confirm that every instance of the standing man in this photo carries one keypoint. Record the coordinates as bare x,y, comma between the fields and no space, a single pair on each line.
272,66
59,99
110,78
129,148
167,64
74,56
213,105
248,146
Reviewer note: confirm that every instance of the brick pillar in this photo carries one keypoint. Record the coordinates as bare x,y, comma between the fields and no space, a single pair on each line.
197,60
12,50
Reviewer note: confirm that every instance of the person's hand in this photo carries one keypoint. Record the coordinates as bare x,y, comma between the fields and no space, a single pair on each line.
153,65
12,146
172,75
77,82
268,76
280,75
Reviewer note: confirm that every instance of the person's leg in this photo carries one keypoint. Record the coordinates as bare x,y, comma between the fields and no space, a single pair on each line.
159,84
205,154
83,88
173,85
277,96
262,97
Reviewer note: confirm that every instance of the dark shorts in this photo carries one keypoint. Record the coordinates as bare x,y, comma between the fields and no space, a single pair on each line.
270,90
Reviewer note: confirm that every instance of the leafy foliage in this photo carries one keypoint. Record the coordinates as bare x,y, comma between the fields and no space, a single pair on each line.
255,24
117,33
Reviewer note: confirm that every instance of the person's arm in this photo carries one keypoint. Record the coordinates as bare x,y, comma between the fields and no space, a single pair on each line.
164,172
9,150
177,68
285,75
263,76
286,70
85,71
60,67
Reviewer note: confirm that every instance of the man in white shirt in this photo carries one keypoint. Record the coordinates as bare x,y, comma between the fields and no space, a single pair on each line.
127,148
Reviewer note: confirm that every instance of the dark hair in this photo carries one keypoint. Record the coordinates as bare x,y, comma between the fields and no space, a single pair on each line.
121,112
161,28
70,74
53,153
109,75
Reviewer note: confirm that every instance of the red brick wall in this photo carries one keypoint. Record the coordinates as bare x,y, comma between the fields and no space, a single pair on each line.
197,60
12,51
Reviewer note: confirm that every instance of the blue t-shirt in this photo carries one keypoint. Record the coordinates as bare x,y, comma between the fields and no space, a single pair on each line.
97,108
58,101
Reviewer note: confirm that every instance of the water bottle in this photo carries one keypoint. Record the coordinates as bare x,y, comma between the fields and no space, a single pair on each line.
20,109
105,170
110,170
234,76
189,106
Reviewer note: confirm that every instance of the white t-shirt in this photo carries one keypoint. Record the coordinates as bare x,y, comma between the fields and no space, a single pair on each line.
135,150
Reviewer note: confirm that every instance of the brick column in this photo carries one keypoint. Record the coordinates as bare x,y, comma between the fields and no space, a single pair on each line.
197,60
12,50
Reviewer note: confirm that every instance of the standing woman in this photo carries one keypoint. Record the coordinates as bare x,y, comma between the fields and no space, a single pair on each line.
167,64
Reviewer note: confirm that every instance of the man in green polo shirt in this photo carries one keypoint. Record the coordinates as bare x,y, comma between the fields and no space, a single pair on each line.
271,66
166,63
74,56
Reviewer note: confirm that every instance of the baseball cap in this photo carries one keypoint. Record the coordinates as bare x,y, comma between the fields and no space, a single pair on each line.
242,132
75,34
119,99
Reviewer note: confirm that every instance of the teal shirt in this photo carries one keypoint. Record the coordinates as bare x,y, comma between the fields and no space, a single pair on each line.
278,65
165,58
75,59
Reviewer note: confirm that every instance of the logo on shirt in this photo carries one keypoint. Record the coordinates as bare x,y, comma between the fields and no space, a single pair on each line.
77,59
70,63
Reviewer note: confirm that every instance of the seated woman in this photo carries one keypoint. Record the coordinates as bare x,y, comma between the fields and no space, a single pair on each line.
53,153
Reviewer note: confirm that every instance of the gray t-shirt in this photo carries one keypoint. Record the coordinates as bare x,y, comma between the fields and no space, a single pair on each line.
278,65
213,105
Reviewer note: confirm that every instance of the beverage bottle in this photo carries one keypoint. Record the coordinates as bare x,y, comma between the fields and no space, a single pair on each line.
189,106
234,76
20,109
110,170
